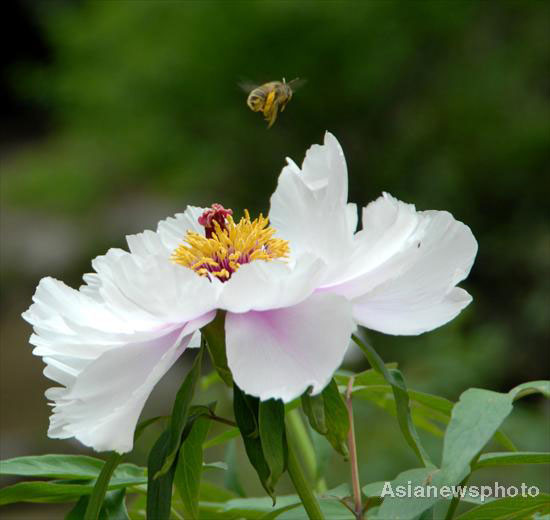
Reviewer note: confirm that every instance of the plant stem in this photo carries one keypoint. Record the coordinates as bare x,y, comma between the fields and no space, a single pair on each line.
222,420
303,442
302,488
456,499
353,455
100,488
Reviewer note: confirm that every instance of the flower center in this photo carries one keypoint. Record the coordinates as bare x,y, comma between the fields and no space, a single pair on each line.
228,245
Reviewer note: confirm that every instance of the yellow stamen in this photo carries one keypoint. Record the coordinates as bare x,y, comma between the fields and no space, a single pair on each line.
230,247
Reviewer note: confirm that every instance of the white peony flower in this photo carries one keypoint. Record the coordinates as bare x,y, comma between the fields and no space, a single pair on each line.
294,289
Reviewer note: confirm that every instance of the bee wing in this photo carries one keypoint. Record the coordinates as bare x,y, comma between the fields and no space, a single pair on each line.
297,83
247,86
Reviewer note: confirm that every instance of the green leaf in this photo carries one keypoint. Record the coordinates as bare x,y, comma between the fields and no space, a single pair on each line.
114,507
209,492
222,438
100,488
209,380
314,409
189,468
214,465
425,408
67,491
231,479
331,509
336,418
323,453
474,420
180,412
77,512
249,508
408,508
374,489
159,490
328,415
142,426
246,415
271,420
53,466
214,334
366,378
511,459
404,418
43,492
517,508
532,387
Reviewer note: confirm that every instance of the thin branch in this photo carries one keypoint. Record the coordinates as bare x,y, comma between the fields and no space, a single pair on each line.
222,420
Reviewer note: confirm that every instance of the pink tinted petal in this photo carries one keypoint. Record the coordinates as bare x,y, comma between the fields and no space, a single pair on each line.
280,353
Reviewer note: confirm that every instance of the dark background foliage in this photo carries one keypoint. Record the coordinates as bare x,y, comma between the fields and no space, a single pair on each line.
119,113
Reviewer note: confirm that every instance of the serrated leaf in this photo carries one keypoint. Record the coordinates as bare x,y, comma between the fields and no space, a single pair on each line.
189,468
271,421
517,508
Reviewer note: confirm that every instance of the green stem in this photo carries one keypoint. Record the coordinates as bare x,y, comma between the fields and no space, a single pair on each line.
302,488
358,504
456,499
303,442
100,488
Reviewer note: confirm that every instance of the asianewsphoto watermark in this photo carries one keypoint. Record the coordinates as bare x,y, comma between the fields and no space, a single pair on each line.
480,492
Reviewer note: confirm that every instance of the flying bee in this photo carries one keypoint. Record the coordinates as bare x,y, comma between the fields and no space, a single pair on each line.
271,97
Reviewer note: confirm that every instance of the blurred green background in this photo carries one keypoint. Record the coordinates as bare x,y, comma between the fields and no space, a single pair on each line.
120,113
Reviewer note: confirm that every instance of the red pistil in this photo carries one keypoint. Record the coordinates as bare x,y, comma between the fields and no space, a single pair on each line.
216,214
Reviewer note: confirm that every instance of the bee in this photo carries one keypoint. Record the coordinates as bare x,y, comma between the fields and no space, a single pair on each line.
271,97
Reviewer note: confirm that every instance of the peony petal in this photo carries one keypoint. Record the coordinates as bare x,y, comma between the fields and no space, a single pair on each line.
101,405
413,289
170,233
264,285
309,207
389,228
281,353
152,289
107,360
